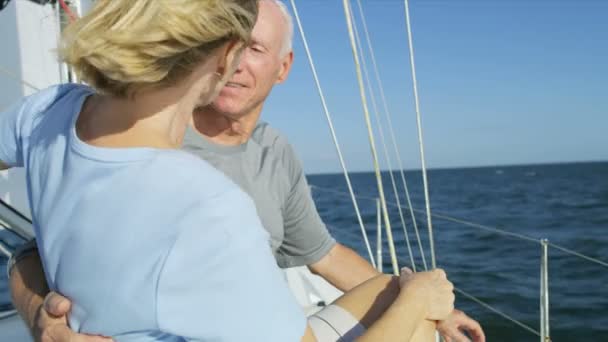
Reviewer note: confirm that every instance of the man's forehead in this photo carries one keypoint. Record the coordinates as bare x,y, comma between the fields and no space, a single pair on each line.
270,23
264,38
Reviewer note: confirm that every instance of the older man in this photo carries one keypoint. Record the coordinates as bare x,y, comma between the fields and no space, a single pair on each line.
262,163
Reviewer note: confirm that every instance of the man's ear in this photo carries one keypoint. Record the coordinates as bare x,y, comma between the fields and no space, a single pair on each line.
286,64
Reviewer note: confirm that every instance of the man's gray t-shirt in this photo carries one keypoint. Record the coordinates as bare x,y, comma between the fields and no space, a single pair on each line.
267,169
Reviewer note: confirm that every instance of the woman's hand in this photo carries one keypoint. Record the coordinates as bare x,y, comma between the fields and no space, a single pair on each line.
432,288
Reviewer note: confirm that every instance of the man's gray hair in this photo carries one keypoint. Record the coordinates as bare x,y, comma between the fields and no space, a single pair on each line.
288,38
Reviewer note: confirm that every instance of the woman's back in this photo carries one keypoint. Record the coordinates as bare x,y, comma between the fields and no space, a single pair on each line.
150,244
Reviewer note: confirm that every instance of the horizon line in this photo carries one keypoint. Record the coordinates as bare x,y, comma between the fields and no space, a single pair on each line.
443,168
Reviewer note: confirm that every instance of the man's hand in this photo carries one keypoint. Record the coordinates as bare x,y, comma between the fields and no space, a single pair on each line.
433,287
452,328
51,324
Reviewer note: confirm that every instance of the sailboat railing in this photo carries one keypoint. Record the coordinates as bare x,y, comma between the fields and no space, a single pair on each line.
544,292
14,221
487,306
5,249
498,312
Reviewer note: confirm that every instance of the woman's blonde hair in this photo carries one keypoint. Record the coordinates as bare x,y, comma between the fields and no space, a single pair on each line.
121,46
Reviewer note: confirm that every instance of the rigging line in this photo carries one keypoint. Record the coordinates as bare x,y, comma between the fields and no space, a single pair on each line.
427,200
387,224
484,227
498,312
580,255
19,79
372,97
391,131
333,133
445,217
392,134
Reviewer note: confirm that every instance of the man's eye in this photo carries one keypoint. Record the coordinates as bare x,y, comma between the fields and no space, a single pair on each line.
256,48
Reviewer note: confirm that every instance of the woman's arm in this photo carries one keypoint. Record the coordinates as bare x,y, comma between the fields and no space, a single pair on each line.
404,320
398,309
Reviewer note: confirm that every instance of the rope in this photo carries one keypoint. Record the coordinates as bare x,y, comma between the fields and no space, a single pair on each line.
392,132
498,312
68,10
383,140
333,133
387,224
19,79
427,200
396,149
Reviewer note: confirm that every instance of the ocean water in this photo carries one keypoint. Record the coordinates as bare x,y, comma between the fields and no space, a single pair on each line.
565,203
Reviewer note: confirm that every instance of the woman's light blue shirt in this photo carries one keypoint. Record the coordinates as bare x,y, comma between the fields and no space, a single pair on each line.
150,244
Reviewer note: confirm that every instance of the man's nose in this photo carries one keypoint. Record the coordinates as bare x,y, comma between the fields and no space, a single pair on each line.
243,61
239,68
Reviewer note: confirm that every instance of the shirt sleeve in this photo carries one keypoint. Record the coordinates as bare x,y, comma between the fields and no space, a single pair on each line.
17,122
306,239
11,135
220,280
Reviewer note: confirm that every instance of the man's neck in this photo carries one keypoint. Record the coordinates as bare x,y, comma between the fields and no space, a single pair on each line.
224,130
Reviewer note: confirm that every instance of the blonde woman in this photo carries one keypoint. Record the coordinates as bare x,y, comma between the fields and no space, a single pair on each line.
128,229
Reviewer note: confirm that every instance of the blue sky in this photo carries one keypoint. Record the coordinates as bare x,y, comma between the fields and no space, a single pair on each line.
501,82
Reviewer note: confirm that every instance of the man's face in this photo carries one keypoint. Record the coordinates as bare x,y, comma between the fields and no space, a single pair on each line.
262,65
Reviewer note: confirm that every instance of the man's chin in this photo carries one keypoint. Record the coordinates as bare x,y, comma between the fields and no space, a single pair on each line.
228,108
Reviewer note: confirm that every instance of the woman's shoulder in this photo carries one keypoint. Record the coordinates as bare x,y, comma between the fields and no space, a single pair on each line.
61,98
68,92
202,195
186,171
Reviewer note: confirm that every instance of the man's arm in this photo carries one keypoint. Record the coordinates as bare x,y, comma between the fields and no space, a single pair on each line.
44,313
307,240
28,288
3,166
343,268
